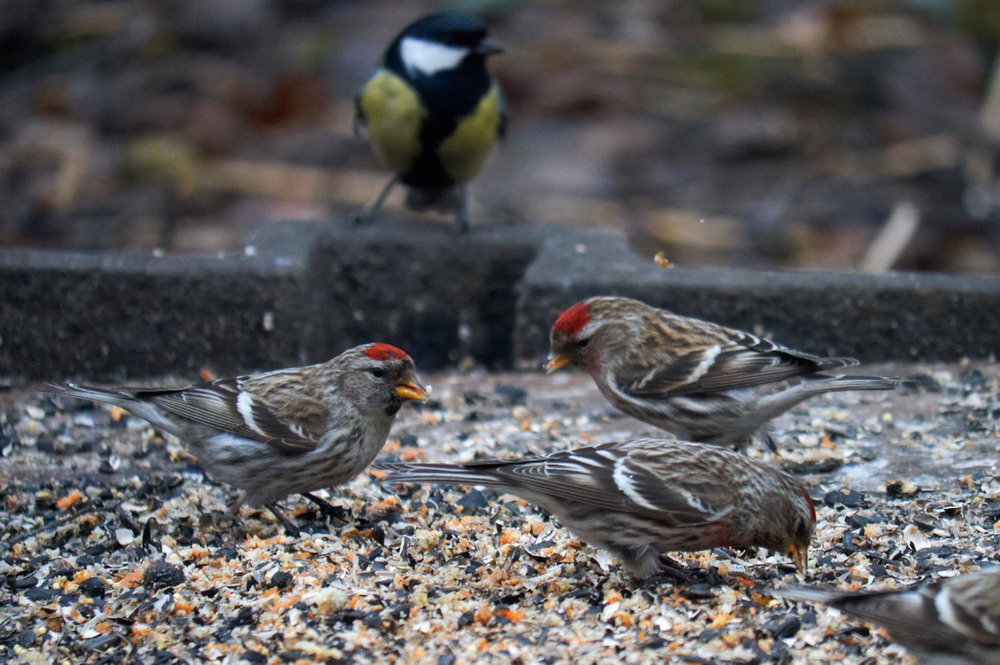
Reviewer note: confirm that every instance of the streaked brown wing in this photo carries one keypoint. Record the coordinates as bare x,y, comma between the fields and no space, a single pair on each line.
223,406
738,360
617,479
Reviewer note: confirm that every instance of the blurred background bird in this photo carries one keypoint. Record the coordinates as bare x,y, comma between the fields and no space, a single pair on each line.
432,113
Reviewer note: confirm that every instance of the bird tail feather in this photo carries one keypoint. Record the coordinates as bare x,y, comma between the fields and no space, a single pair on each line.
807,594
88,392
401,472
846,382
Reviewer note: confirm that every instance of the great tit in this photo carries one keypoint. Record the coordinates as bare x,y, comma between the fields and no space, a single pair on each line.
432,113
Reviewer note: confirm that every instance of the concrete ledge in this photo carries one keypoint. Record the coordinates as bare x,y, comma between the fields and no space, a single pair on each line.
446,298
311,290
111,316
895,316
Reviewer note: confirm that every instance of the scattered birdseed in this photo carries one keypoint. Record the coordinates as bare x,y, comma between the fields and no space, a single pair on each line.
139,559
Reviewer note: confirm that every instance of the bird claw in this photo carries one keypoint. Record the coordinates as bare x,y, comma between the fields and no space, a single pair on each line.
672,571
362,218
671,577
333,512
367,214
290,528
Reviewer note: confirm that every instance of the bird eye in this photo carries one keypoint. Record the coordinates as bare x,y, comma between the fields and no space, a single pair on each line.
582,343
378,372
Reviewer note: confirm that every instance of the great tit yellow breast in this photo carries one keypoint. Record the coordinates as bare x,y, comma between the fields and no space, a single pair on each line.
393,115
431,110
463,152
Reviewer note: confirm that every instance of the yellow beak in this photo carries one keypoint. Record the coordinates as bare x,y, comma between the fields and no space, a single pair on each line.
799,556
555,362
411,390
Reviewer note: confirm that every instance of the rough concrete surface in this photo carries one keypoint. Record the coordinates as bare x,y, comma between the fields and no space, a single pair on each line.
305,291
437,293
125,314
869,317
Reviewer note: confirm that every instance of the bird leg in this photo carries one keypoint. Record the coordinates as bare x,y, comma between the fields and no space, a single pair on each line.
290,528
327,508
368,213
234,510
236,522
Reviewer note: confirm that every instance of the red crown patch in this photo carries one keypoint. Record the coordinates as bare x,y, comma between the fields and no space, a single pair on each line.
573,319
383,352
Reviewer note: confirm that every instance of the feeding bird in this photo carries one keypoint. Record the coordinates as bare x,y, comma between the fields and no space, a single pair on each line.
282,432
698,380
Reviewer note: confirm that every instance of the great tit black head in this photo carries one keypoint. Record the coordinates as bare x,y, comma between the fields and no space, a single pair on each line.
431,112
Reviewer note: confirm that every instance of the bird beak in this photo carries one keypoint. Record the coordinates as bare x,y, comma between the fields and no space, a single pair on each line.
556,361
489,47
411,390
799,555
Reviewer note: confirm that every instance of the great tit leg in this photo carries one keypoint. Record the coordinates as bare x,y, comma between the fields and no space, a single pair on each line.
462,215
368,213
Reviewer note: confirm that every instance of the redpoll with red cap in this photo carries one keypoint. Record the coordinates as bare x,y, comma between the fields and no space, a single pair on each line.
696,379
282,432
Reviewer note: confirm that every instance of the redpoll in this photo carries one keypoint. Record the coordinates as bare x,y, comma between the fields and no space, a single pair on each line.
282,432
949,621
643,498
698,380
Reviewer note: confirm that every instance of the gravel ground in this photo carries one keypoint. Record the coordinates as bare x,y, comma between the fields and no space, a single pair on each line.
116,546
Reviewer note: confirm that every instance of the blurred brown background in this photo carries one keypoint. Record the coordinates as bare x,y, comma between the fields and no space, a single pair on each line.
763,133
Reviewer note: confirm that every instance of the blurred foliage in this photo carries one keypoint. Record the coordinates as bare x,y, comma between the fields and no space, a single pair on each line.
980,19
723,11
772,133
